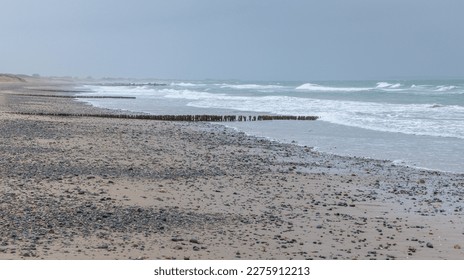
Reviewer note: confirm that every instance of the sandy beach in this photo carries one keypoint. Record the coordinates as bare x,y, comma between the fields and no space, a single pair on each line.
103,188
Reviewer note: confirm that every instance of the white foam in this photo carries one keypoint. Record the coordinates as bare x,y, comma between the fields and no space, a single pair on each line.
119,90
185,84
251,86
383,85
418,119
445,88
387,85
316,87
189,94
435,90
420,87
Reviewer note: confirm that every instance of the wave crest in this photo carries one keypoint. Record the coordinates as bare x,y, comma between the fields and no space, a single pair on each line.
185,84
316,87
445,88
387,85
251,86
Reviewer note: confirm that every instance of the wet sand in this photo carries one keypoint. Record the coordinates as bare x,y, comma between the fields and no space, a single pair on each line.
93,188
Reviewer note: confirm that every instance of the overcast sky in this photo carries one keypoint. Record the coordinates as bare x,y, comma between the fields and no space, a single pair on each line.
234,39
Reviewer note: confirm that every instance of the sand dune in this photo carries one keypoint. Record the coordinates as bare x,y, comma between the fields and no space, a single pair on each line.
9,78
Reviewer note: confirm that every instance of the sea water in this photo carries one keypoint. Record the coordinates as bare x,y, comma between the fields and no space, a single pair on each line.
417,123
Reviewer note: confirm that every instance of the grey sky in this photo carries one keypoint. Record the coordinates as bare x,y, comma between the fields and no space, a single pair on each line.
243,39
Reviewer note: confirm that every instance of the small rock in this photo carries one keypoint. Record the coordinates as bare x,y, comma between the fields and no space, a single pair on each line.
457,247
177,239
429,245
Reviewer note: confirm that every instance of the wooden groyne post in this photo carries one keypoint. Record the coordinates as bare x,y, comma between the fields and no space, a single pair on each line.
179,118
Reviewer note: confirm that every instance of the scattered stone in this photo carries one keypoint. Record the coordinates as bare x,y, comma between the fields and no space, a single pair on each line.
177,239
194,240
103,246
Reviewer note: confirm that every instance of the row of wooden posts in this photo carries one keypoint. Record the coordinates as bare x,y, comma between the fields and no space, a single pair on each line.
75,96
183,118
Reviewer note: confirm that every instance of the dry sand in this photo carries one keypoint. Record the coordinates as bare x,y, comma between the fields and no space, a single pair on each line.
88,188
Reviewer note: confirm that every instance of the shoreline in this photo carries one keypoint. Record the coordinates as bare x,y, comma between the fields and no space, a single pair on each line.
316,149
428,153
432,151
87,188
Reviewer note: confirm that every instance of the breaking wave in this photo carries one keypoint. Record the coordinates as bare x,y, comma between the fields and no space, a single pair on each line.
186,84
316,87
445,88
383,85
417,119
251,86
